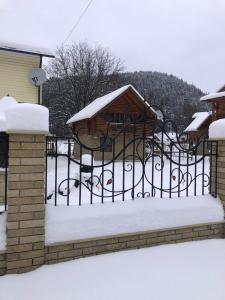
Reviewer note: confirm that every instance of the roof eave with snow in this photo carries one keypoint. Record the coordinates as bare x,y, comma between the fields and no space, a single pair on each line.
213,96
25,49
198,120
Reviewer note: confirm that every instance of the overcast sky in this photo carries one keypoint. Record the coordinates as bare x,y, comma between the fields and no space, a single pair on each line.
181,37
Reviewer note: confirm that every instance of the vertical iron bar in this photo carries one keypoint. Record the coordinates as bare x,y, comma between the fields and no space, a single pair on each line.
56,168
153,156
124,141
92,174
216,158
195,174
143,157
171,149
103,161
133,171
80,175
187,187
179,173
210,173
203,168
161,173
68,172
113,170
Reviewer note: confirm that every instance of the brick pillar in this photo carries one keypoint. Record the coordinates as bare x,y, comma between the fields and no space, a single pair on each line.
26,209
220,171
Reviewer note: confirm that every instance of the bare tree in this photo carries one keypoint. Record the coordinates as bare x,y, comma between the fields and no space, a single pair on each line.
79,74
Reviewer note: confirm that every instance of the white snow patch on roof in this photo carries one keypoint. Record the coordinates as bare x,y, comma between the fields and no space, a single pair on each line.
212,96
199,119
216,129
25,48
91,109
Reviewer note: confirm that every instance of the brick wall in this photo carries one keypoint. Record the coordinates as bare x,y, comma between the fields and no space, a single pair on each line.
65,251
26,210
2,262
2,187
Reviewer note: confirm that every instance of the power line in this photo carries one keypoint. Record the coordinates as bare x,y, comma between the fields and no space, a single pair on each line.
78,21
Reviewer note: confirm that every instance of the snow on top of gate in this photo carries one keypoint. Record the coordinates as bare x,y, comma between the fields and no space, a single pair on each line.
198,119
95,106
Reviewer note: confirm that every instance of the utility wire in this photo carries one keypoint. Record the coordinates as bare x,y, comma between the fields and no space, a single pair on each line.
78,21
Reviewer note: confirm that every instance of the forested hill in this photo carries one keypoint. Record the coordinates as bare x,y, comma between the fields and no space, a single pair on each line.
178,99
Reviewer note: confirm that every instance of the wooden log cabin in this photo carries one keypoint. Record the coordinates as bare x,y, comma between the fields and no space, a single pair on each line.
199,127
217,102
119,115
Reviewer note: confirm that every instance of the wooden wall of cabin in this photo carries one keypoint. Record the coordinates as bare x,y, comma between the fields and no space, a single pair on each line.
128,104
218,108
131,148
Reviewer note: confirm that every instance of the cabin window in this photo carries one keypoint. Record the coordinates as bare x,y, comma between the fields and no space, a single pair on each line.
110,117
121,118
106,144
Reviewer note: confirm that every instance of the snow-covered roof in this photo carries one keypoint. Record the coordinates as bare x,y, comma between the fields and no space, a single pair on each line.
199,119
95,106
20,48
212,96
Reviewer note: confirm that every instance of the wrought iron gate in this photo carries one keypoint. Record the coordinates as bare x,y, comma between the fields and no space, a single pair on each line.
140,160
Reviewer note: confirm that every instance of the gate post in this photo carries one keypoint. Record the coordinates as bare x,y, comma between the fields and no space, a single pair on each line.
26,208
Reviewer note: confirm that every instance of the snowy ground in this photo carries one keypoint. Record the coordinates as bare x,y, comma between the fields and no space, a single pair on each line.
133,174
187,271
64,223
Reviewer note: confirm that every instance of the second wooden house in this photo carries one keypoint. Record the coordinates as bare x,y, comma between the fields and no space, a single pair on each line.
199,127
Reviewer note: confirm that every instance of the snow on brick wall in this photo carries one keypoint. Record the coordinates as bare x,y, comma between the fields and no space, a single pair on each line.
22,116
28,117
217,129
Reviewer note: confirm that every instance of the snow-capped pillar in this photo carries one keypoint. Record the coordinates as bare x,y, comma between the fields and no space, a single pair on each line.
26,208
217,169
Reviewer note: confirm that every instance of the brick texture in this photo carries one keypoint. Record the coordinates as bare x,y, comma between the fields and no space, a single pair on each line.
65,251
2,262
25,219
